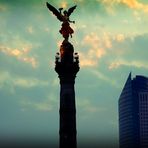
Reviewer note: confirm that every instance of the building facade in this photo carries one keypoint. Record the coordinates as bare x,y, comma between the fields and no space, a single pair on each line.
133,113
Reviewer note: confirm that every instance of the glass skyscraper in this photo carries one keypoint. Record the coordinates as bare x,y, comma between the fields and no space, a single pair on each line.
133,113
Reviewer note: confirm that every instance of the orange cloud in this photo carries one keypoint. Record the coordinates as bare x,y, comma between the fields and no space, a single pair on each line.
116,64
91,57
30,29
21,55
64,4
120,38
134,4
16,52
107,40
3,7
86,60
91,39
96,42
95,51
109,5
30,60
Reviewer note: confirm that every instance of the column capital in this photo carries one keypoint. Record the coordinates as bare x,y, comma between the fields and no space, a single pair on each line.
67,63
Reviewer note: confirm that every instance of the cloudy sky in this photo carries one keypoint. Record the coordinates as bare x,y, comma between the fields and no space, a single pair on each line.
111,37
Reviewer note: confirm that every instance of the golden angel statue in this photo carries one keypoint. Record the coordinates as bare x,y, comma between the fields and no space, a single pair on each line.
65,30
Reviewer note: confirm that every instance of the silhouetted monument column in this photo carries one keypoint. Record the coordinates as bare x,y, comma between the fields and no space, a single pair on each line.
67,66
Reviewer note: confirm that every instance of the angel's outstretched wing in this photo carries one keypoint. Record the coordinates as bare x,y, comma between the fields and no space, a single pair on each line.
70,10
54,11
